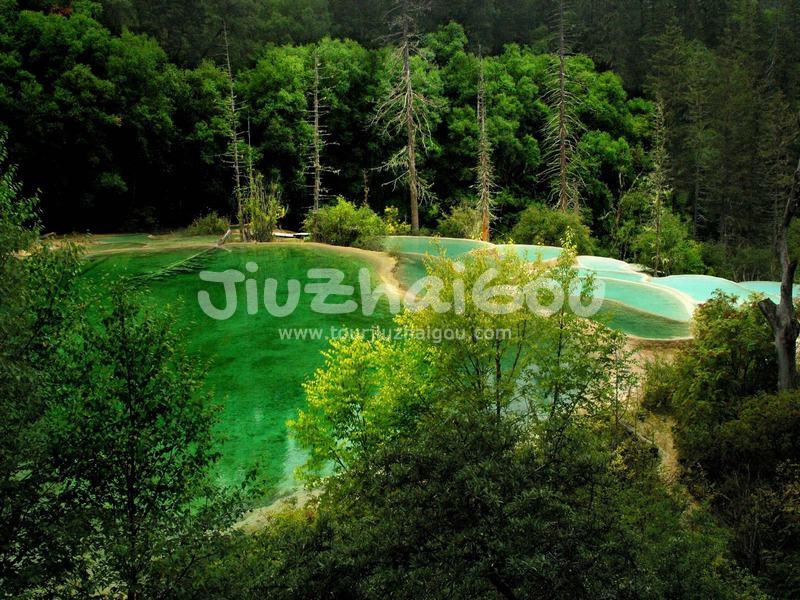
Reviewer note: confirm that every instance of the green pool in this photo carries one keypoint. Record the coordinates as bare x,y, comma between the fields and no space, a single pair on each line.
254,373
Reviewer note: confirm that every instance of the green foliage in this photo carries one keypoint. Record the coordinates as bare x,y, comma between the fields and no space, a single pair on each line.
672,243
16,211
742,262
262,209
442,489
658,386
394,226
737,440
463,221
105,444
342,224
136,436
368,391
544,226
752,480
38,305
211,224
732,356
101,110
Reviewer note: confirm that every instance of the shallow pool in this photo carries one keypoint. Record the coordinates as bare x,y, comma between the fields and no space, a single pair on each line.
636,303
701,288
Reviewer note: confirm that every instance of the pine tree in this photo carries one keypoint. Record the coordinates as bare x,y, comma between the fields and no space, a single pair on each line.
657,181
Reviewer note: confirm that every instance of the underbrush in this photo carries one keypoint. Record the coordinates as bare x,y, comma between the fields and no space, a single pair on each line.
210,224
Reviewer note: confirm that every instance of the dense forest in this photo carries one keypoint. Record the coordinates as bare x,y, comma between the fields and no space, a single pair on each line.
568,458
117,111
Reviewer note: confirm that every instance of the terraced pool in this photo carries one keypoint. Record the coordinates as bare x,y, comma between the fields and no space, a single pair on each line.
640,305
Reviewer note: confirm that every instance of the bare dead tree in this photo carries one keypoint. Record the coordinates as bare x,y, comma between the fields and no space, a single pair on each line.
234,154
563,196
405,110
782,317
561,129
319,139
484,170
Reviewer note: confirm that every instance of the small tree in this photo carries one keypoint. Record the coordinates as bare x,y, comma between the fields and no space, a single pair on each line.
657,181
138,441
39,302
263,208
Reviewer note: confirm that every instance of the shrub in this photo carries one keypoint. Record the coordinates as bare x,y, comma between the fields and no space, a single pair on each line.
211,224
544,226
342,224
678,252
658,385
394,226
263,209
463,221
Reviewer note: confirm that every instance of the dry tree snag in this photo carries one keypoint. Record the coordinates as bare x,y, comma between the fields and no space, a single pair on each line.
484,169
782,317
317,149
233,145
405,109
563,133
319,141
562,128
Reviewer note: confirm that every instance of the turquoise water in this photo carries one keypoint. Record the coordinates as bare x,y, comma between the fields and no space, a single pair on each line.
647,298
701,287
600,263
772,289
434,246
656,308
623,275
532,253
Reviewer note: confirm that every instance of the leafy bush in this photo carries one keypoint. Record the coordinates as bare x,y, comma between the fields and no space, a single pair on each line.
732,356
753,468
658,386
342,224
394,226
545,226
672,247
211,224
263,209
463,221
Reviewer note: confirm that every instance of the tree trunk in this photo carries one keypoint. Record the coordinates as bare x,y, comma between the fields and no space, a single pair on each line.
365,176
782,317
